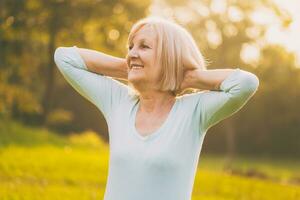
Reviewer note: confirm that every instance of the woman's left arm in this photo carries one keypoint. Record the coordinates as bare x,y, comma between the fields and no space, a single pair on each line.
205,79
230,90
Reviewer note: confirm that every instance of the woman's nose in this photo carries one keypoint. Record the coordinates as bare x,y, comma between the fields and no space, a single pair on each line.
132,53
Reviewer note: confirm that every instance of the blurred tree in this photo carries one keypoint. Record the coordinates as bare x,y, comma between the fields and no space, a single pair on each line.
274,112
36,27
223,29
33,91
15,90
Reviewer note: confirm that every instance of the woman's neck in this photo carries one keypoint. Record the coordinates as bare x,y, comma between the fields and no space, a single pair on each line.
156,101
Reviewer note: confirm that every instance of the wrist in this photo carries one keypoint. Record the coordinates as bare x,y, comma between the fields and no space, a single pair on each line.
122,69
206,79
200,79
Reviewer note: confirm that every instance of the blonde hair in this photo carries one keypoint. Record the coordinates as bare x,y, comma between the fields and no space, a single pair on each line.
174,45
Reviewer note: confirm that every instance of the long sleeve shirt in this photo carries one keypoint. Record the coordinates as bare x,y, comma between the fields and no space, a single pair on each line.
162,165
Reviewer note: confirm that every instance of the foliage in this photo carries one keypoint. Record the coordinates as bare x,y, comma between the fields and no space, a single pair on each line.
77,169
31,30
34,92
268,124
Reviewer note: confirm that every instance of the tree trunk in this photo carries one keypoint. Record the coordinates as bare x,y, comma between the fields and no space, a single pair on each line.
230,141
49,76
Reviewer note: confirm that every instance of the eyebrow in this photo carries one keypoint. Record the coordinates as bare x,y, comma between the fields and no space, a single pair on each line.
142,41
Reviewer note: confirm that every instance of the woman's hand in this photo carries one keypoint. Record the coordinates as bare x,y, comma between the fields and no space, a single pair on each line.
204,79
191,72
189,79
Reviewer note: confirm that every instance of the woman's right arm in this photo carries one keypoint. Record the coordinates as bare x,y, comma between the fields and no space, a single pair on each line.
102,91
102,63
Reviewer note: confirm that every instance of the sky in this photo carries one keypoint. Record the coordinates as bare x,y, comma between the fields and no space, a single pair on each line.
290,38
276,34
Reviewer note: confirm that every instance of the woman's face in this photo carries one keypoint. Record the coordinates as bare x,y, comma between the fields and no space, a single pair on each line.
143,69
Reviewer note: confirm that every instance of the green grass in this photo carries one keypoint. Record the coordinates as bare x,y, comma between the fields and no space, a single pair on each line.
37,164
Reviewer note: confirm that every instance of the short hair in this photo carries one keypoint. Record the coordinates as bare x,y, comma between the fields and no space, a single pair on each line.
174,44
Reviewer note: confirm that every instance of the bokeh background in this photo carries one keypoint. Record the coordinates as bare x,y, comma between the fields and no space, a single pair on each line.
54,143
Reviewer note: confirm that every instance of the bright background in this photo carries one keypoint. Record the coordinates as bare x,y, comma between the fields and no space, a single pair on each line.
54,143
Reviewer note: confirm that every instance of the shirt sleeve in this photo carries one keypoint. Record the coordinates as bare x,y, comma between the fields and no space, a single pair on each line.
238,87
104,92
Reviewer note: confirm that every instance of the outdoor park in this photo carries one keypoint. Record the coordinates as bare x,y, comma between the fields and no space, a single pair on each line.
54,144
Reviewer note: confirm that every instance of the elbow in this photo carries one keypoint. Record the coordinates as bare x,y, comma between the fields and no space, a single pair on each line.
250,83
59,55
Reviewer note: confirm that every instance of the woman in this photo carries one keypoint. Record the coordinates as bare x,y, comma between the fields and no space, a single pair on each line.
155,134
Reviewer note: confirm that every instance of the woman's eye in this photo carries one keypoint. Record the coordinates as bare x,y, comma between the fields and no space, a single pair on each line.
145,46
142,46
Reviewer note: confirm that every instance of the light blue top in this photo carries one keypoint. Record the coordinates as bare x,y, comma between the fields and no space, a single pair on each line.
161,166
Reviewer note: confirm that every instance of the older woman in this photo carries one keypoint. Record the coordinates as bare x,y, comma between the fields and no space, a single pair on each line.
155,131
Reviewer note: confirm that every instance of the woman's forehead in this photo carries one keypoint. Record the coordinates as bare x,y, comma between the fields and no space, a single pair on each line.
145,34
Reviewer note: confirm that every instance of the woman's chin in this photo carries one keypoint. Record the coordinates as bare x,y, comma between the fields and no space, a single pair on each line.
133,78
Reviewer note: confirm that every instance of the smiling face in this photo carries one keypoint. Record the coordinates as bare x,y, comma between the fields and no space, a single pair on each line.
143,68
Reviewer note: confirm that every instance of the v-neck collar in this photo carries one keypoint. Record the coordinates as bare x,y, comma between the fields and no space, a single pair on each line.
157,131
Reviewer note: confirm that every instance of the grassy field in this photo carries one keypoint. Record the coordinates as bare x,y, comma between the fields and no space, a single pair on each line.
37,164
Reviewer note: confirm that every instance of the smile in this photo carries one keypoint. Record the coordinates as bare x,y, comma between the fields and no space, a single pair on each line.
135,66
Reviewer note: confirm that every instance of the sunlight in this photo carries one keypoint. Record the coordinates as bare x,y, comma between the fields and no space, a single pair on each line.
218,6
290,36
250,53
235,14
287,37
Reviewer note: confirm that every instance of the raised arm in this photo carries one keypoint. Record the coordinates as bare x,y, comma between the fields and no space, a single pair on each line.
234,87
104,64
102,91
205,79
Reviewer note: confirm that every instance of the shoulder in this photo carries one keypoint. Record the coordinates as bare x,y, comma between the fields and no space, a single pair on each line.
190,101
193,97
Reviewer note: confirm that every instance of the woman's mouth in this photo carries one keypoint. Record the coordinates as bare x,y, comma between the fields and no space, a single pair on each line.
136,66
